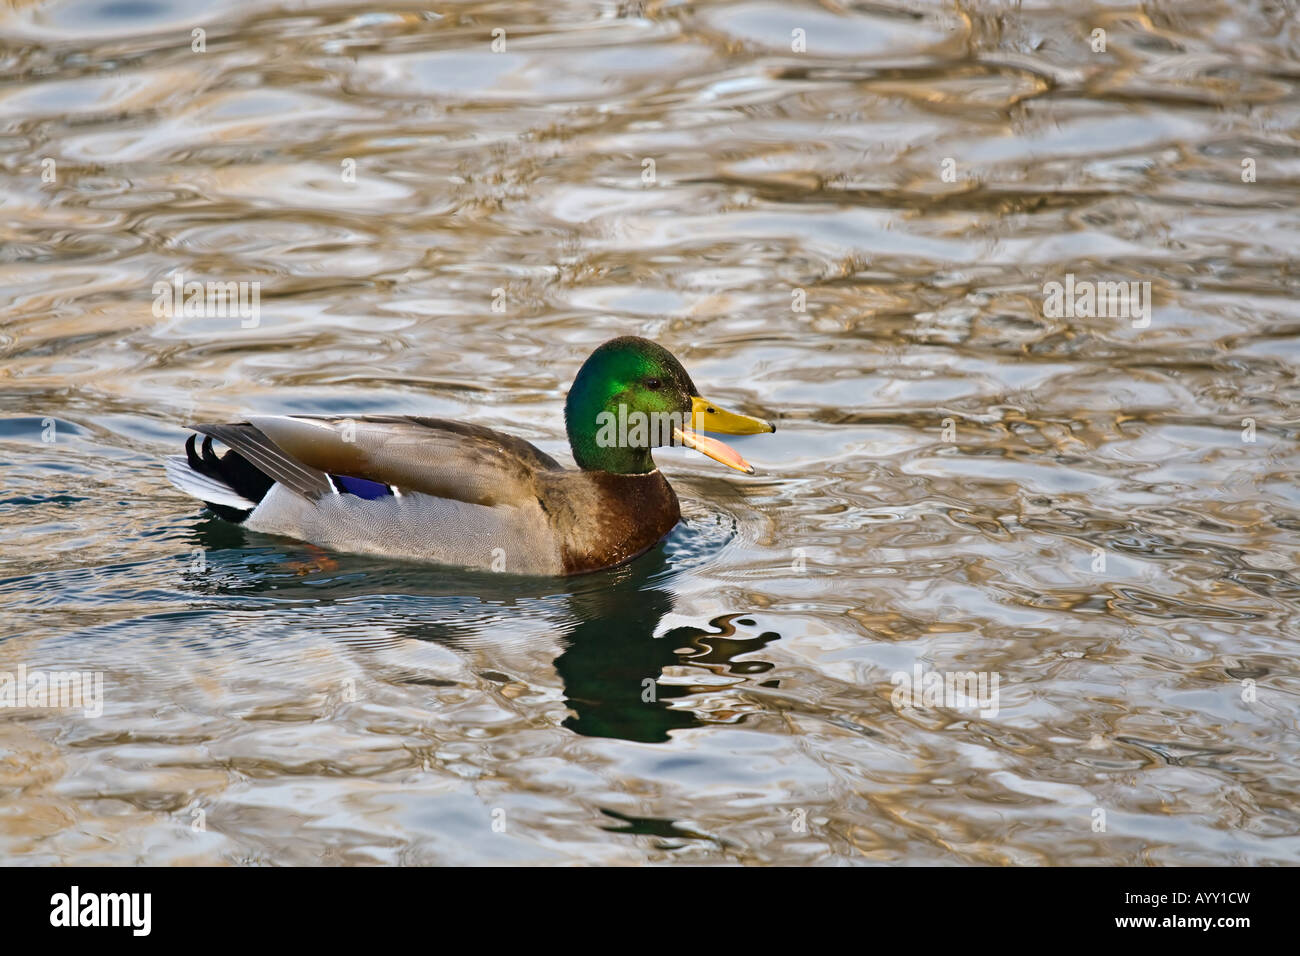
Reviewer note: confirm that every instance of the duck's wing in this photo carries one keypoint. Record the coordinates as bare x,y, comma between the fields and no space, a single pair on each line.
434,456
260,452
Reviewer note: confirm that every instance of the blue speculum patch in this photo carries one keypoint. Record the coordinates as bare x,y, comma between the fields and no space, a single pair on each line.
361,487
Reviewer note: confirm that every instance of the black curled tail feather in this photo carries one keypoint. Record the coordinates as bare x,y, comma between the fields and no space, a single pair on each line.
267,458
231,469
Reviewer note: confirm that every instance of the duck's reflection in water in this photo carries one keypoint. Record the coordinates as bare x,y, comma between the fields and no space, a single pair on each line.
611,664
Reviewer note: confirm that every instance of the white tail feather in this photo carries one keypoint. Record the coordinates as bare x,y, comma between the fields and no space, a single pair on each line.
180,474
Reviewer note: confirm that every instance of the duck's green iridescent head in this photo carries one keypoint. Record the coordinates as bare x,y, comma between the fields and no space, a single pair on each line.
632,395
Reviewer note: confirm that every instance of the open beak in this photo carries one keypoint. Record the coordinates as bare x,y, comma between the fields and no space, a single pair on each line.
709,416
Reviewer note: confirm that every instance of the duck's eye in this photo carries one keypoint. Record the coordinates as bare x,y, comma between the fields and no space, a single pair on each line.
652,383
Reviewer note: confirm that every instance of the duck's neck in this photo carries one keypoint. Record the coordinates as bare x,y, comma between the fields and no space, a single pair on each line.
596,448
590,456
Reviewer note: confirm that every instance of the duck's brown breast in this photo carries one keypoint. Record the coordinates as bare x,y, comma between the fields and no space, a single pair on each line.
603,519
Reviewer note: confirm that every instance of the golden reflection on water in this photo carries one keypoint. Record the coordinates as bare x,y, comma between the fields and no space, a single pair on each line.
853,240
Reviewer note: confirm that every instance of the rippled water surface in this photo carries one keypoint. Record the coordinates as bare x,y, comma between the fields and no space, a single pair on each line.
852,240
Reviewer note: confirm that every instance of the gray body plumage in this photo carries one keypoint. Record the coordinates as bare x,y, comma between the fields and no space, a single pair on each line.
512,538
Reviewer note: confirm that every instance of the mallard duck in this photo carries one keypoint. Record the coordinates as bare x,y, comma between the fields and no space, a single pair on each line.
458,494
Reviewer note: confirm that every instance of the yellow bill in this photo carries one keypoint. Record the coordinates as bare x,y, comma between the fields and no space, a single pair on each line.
707,416
712,417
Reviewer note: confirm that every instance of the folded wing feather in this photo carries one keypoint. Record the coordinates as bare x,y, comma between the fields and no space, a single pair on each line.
448,459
